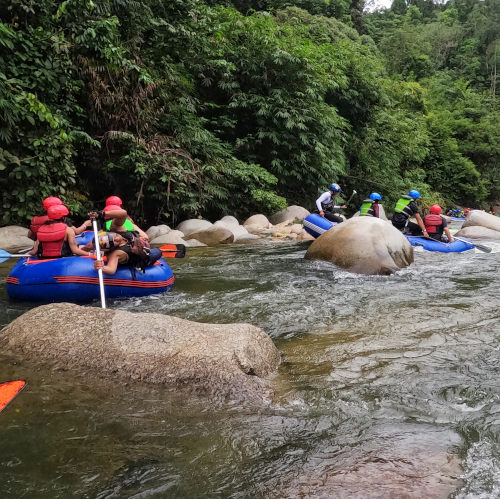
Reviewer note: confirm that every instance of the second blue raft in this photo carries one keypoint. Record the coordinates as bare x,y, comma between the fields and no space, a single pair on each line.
316,225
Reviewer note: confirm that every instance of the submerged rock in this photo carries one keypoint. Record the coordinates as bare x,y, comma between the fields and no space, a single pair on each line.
221,360
364,245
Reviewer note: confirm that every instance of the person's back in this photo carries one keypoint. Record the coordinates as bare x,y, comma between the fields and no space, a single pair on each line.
436,224
37,221
54,238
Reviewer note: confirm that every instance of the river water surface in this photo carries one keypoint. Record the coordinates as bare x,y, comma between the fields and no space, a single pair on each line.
388,386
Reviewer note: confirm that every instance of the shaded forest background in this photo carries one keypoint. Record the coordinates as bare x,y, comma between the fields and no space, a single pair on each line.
187,108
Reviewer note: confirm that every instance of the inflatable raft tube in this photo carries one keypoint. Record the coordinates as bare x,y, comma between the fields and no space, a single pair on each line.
432,245
74,279
315,225
458,219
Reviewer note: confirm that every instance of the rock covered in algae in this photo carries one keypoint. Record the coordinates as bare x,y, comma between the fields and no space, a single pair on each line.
223,360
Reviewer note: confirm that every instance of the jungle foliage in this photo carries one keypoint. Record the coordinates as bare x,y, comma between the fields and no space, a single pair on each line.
188,108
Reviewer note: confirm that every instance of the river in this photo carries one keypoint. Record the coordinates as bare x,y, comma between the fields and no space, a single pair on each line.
383,379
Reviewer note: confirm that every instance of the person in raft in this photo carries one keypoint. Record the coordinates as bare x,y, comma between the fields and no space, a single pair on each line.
406,207
326,204
37,221
113,224
436,224
54,238
123,247
116,202
371,206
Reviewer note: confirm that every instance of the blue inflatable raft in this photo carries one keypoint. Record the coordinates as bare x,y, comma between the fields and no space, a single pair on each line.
74,279
432,245
315,225
458,219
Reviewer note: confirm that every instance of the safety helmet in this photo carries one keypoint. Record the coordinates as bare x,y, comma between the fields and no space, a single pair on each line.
435,209
375,196
114,200
414,194
57,212
48,202
335,188
106,240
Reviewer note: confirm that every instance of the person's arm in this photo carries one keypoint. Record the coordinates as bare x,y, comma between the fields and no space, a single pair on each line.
448,235
320,200
75,249
421,224
141,232
112,264
118,216
82,228
34,250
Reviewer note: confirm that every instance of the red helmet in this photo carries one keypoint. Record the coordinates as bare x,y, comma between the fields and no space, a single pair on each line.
110,207
436,209
57,212
48,202
114,200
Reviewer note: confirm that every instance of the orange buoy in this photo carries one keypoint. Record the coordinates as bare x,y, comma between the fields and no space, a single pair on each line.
8,391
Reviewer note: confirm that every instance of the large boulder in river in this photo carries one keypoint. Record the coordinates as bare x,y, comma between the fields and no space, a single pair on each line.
289,213
231,224
259,221
213,236
364,245
478,232
171,237
223,360
14,238
193,225
482,219
157,230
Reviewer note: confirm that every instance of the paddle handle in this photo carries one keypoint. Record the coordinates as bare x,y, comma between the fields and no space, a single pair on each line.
99,272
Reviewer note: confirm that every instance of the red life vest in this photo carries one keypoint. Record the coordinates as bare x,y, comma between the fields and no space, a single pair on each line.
432,223
51,240
35,224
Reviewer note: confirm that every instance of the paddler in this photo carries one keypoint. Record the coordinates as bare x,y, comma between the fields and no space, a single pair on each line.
436,224
405,208
371,206
326,204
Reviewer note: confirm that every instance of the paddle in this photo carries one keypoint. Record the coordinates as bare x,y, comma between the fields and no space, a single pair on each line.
480,247
352,195
8,392
5,255
98,254
173,250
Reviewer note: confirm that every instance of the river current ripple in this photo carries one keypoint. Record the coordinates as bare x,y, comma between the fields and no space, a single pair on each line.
383,381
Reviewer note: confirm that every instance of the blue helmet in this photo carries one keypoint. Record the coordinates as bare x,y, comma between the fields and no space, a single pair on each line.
414,194
375,196
335,187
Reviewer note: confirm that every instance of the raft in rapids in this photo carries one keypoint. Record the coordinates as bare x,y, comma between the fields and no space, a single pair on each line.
74,279
316,225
